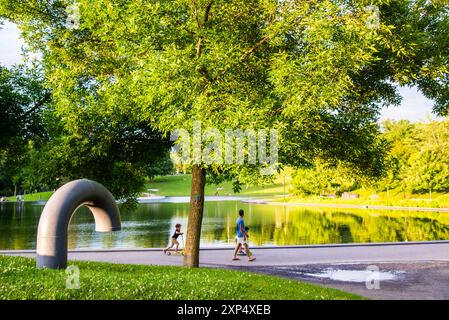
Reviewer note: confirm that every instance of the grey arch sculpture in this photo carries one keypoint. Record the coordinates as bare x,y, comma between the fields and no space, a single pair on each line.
51,248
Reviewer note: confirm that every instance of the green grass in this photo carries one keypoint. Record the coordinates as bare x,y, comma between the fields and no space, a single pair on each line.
370,197
20,279
179,185
34,196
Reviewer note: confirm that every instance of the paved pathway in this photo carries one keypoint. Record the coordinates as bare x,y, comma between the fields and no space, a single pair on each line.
274,256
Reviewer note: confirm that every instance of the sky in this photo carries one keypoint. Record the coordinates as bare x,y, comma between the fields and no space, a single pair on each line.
414,107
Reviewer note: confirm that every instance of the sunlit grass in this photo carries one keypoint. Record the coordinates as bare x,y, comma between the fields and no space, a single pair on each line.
20,279
179,185
371,198
34,196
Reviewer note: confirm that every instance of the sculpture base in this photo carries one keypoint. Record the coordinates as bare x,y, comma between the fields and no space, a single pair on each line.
50,262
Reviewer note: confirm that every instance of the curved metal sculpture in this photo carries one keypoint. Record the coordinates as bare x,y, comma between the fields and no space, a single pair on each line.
51,249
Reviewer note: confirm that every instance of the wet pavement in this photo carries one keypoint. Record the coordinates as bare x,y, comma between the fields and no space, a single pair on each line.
384,281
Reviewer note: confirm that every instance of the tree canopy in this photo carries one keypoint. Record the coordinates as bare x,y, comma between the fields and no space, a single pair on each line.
316,70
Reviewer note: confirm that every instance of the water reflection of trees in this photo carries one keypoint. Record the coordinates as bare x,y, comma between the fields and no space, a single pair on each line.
302,226
152,225
18,226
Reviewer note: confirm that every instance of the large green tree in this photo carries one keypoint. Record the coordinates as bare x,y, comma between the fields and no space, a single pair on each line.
316,70
23,99
116,151
419,156
429,170
39,152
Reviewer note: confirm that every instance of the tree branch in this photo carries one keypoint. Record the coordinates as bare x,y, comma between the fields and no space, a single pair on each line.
254,48
206,18
39,104
245,55
208,8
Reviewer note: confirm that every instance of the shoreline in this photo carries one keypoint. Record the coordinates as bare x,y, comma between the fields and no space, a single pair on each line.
347,206
267,200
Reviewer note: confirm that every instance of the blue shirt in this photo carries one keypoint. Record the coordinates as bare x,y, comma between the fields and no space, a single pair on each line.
240,227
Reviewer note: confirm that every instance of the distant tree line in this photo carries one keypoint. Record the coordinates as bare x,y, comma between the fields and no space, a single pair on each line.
417,161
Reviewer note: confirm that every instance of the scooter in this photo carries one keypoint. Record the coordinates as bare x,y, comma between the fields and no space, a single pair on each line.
180,252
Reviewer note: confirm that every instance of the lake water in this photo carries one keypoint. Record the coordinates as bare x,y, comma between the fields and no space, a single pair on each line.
150,225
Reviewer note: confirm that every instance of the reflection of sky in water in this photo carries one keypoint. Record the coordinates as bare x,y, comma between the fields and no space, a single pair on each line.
125,225
355,275
151,225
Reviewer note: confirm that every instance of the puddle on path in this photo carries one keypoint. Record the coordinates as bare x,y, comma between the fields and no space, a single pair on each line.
355,275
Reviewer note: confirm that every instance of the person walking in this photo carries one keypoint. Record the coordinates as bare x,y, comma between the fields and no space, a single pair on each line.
241,237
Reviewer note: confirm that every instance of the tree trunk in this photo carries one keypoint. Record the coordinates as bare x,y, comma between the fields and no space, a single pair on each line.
192,245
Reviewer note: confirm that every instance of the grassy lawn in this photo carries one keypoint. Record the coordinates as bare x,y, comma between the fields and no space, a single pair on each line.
179,185
19,279
34,196
392,198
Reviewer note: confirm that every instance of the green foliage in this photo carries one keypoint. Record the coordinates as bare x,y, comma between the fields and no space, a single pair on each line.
315,70
39,151
161,168
23,101
113,151
324,179
419,156
417,162
20,279
22,97
429,170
